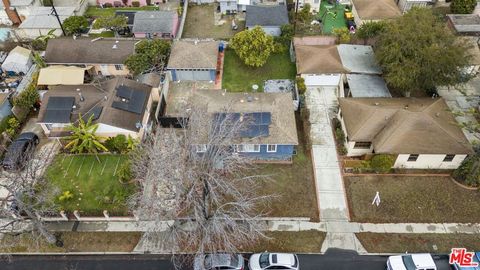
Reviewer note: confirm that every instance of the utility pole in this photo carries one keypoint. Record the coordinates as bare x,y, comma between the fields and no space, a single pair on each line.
54,13
295,18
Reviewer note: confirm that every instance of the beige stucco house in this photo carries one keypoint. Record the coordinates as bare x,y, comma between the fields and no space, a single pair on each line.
421,132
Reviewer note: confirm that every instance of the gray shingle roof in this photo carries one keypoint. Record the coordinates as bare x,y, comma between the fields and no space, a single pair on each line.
266,15
465,23
193,54
358,59
362,85
154,21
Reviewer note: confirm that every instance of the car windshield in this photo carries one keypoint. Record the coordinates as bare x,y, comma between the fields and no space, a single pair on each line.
220,260
408,262
264,260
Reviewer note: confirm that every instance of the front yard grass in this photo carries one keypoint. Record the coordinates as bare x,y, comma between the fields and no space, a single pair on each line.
292,183
73,242
413,243
426,199
200,23
95,12
238,77
94,183
295,242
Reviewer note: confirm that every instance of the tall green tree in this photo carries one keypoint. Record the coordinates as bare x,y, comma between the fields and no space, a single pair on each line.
83,138
418,52
75,24
111,22
369,30
253,46
148,54
463,6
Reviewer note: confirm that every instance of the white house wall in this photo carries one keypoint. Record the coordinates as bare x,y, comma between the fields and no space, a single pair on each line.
111,131
428,162
351,151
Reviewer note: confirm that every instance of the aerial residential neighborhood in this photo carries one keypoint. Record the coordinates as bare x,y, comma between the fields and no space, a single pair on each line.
240,134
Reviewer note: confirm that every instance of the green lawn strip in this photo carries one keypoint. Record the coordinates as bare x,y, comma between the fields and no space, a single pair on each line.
103,34
98,12
330,22
238,77
73,242
296,242
417,243
292,184
93,184
411,199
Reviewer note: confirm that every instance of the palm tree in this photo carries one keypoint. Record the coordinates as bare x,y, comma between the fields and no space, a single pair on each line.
83,138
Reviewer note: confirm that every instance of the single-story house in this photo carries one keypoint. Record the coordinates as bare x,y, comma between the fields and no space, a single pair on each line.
18,61
365,85
41,21
465,24
61,75
16,11
406,5
367,10
119,106
310,41
105,56
421,132
155,24
270,18
193,60
272,136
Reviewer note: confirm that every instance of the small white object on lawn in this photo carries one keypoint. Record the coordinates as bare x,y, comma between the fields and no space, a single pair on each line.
376,199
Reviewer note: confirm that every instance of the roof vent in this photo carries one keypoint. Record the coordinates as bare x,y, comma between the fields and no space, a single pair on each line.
82,99
114,46
116,41
241,100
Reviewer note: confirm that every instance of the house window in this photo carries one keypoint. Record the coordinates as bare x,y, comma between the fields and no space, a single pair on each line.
248,148
201,148
119,67
412,157
362,145
448,158
271,148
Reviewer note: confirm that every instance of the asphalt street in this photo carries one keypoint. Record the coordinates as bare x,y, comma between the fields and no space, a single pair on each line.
332,260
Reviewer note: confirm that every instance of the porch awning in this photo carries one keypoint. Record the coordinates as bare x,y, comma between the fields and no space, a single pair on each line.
61,75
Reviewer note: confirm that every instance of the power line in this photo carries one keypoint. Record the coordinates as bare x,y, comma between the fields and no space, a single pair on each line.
54,13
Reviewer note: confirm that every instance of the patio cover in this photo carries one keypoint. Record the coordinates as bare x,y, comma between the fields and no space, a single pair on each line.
61,75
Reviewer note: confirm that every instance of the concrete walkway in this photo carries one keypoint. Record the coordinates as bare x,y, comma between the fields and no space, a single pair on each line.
321,103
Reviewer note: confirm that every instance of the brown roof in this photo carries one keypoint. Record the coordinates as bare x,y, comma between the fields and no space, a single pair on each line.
88,51
194,54
314,40
96,96
404,125
282,130
376,9
318,60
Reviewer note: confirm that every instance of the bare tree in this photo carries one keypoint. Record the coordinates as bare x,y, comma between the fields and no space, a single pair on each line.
193,178
30,197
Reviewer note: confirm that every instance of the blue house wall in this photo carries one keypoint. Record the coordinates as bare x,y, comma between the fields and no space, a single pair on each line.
284,152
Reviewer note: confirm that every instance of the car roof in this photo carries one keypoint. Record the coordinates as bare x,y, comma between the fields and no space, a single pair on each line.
282,259
27,136
223,259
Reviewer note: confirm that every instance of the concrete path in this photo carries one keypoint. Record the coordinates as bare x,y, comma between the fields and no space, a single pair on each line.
322,103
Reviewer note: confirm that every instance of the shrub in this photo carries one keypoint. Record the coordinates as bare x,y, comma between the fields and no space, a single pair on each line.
47,3
28,97
302,88
39,45
125,172
382,163
117,144
342,34
469,171
463,6
66,195
340,135
107,5
4,123
135,3
279,47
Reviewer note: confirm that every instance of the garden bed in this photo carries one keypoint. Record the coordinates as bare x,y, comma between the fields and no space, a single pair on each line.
416,199
94,184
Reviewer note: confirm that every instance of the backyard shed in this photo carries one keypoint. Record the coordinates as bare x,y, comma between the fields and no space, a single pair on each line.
64,75
19,60
159,24
192,60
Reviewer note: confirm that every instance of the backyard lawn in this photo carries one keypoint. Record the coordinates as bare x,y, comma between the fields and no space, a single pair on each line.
94,185
93,11
413,243
329,20
297,242
238,77
73,242
200,23
293,184
413,199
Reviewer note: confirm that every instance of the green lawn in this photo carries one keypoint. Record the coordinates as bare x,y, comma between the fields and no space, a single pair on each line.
94,185
297,242
411,199
417,243
103,34
238,77
331,21
98,12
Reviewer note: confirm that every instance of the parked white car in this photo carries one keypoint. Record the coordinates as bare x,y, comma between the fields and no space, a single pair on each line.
411,261
219,261
264,261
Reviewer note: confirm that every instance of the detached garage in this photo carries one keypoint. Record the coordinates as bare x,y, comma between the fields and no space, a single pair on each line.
193,60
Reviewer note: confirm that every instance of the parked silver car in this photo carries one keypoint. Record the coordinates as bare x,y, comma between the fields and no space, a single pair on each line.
219,261
264,261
